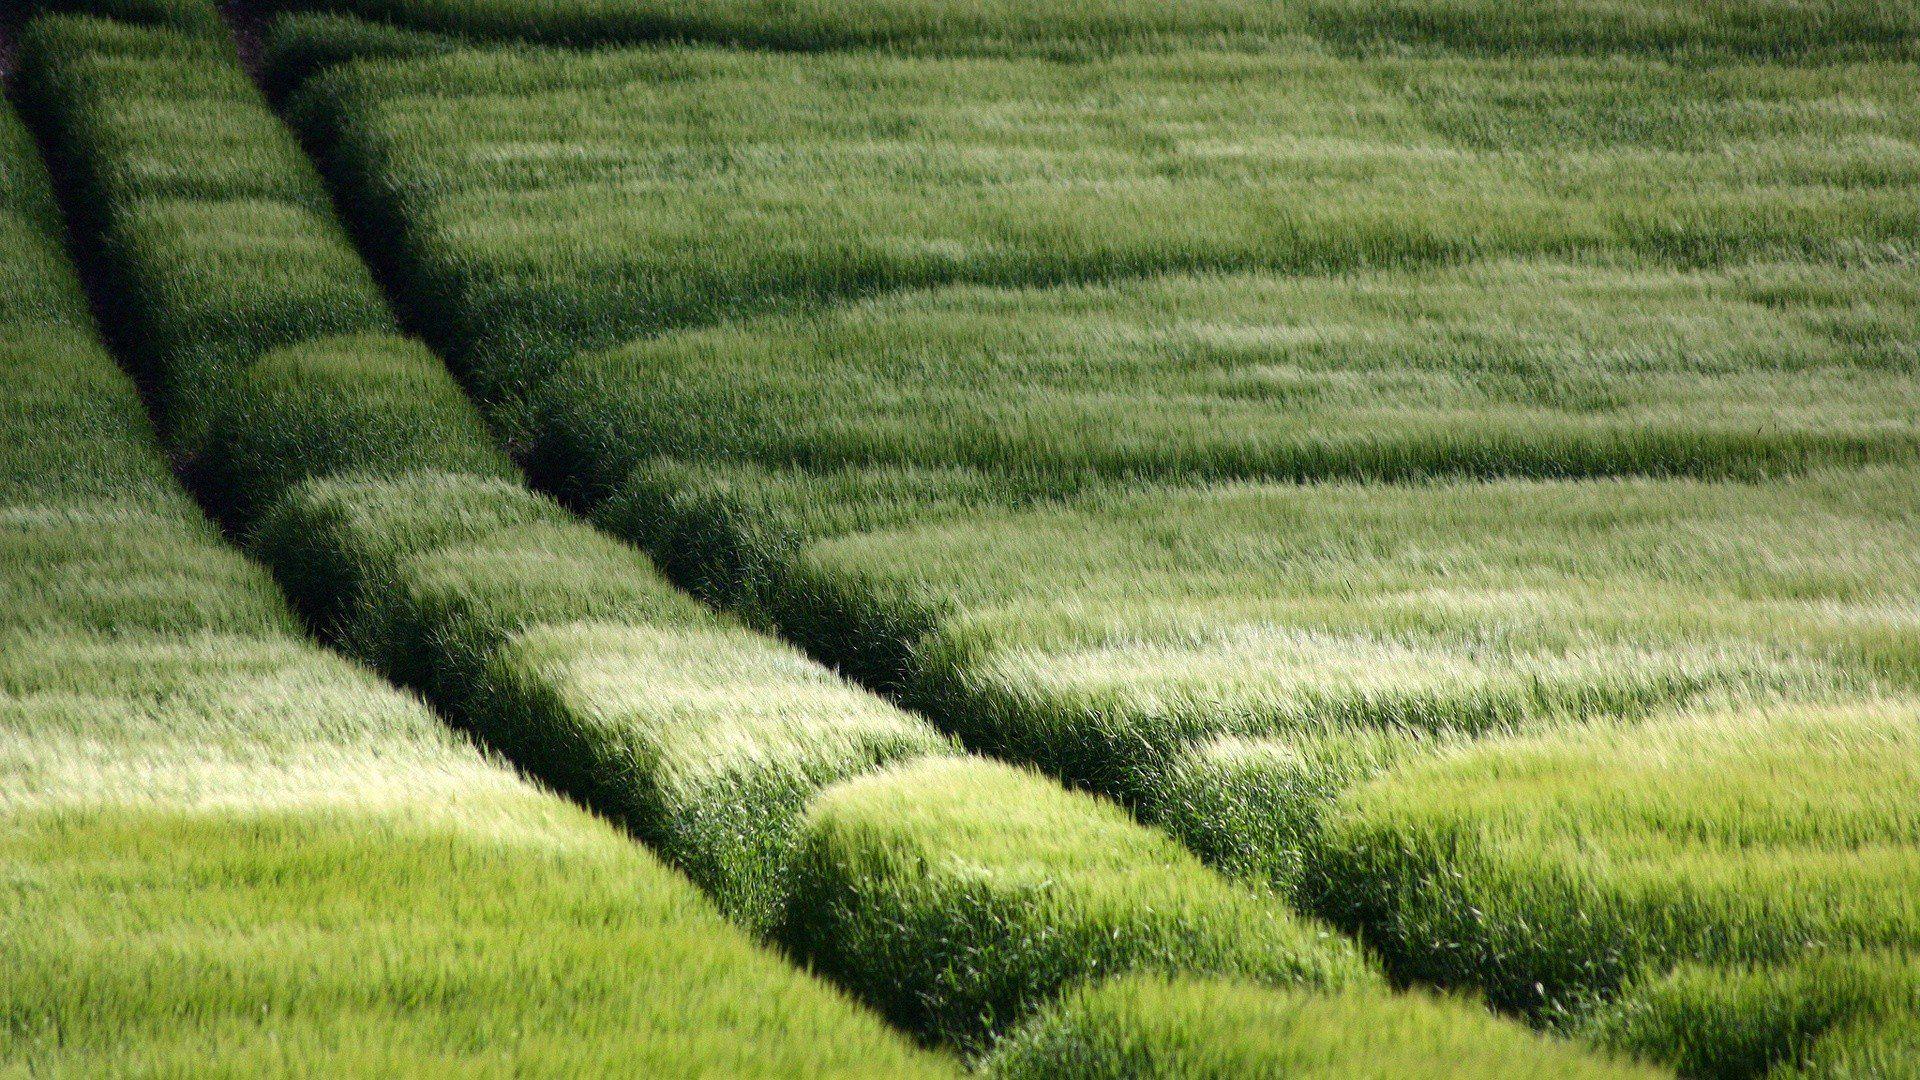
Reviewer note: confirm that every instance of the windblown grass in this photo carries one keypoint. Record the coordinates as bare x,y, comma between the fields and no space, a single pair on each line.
1762,28
1218,1029
231,854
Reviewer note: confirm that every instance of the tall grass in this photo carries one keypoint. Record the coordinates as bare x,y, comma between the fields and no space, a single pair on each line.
231,853
1762,28
1551,869
367,482
1215,1029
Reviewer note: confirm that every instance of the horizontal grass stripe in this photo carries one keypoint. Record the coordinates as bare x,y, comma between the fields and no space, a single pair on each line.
1758,28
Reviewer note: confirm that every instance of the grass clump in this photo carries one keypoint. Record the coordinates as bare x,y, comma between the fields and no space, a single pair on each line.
1553,868
543,203
1214,1029
960,895
1525,367
998,27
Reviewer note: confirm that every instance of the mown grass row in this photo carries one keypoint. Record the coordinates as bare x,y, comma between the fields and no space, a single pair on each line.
230,853
977,499
1762,28
957,894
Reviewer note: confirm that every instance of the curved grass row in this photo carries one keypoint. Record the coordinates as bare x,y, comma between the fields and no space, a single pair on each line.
956,894
229,853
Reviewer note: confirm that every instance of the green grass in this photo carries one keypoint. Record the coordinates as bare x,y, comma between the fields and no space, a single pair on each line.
961,894
1527,367
229,853
199,17
1745,1020
203,217
1768,28
578,201
1218,1029
1552,868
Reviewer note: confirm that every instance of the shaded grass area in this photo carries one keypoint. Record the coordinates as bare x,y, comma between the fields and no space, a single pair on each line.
230,853
1763,28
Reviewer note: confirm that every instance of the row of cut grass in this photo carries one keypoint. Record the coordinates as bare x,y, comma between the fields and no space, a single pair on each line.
229,853
1761,28
955,893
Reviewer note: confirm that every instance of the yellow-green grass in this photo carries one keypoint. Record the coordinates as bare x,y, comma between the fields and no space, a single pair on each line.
960,894
1226,1029
228,853
1771,28
1804,1017
1551,868
1533,367
541,203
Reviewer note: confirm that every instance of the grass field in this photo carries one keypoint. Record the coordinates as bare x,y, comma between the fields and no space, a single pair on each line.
1088,531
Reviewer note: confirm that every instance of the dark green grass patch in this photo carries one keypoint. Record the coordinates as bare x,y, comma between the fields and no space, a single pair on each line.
1552,868
199,17
1222,1029
543,203
1697,30
960,895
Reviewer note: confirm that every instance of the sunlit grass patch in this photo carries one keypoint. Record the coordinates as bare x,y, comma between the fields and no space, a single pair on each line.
1550,869
961,894
1145,1025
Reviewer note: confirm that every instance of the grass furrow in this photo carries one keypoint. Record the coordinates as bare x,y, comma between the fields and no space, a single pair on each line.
230,853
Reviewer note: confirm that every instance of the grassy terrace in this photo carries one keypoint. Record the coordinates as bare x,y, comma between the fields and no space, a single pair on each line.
994,379
229,852
955,894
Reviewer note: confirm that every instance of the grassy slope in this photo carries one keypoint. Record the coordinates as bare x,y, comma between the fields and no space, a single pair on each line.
981,549
230,853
